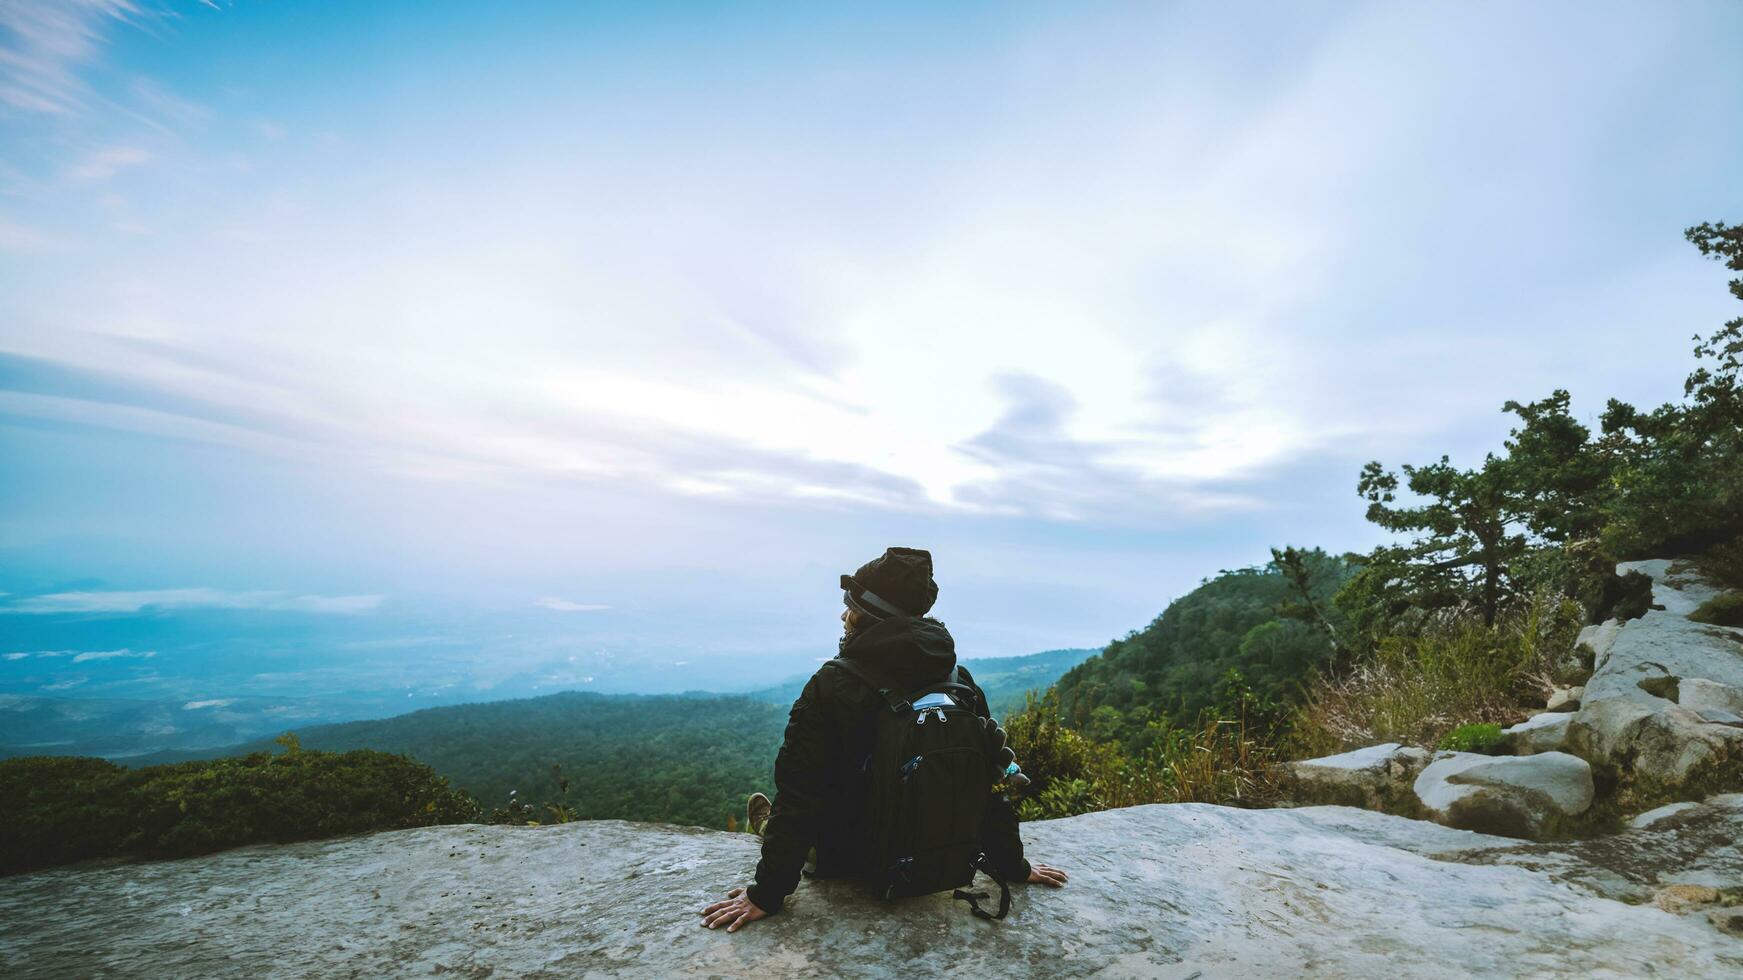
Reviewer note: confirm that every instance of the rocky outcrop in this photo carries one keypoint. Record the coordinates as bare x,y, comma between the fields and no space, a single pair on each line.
1545,732
1633,723
1375,778
1528,796
1156,891
1565,699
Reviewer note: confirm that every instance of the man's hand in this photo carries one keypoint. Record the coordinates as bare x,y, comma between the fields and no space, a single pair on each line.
1046,874
736,911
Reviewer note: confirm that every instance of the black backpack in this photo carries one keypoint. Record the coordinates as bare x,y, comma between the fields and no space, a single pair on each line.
930,780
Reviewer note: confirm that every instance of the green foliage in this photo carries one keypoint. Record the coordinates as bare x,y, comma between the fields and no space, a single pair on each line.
1414,688
1463,532
55,810
1725,609
1679,470
1724,562
1273,624
1483,737
670,758
1222,759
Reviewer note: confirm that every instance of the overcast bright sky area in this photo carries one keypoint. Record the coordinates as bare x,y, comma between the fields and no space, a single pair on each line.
535,331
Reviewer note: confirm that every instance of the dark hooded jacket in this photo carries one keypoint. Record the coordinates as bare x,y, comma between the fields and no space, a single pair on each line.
820,783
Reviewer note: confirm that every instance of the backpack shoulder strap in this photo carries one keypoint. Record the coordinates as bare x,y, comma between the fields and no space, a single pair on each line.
954,683
975,898
894,701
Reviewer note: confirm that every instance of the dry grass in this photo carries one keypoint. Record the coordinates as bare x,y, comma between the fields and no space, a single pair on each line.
1415,689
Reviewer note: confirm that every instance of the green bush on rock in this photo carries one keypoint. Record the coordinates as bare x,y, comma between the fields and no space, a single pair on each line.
1485,738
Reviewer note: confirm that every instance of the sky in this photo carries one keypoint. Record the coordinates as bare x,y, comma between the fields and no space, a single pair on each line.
477,347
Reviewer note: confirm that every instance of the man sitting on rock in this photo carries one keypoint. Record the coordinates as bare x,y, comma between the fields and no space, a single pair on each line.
820,779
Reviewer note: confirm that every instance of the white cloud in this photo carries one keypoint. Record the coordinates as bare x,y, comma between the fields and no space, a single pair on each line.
65,685
113,655
23,239
213,703
44,43
564,605
198,598
107,162
14,656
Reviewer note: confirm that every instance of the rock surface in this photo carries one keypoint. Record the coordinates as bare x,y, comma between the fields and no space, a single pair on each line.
1540,733
1157,891
1702,694
1630,720
1375,778
1519,796
1565,699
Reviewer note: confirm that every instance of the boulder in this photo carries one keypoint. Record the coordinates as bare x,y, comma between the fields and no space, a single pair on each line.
1375,778
1669,751
1655,714
1719,716
1540,733
1166,890
1529,796
1702,694
1565,699
1651,817
1599,639
1678,588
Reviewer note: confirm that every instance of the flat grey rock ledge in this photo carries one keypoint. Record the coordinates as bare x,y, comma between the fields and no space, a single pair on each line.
1156,891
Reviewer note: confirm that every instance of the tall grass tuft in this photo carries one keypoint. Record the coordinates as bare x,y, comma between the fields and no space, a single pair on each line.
1456,671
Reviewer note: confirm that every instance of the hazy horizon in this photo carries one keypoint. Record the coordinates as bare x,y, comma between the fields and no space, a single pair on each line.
456,350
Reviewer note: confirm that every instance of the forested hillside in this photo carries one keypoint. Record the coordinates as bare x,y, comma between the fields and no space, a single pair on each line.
1253,621
672,758
676,758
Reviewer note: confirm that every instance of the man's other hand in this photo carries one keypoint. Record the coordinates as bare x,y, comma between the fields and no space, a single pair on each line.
738,910
1046,874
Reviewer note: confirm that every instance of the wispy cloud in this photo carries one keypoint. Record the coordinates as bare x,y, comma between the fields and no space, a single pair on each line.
107,162
44,44
564,605
198,598
90,655
210,703
20,238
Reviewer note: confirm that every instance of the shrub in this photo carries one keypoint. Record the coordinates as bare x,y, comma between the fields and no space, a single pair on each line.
1725,609
1725,563
55,810
1485,737
1456,671
1219,761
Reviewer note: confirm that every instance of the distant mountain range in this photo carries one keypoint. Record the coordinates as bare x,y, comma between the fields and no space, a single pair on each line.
138,730
689,758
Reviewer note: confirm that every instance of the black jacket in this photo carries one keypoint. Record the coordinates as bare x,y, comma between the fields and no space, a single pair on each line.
820,785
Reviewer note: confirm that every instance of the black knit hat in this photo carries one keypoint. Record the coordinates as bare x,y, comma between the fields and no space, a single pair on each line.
896,583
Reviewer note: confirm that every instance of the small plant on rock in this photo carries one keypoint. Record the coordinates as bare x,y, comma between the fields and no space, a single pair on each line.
1486,738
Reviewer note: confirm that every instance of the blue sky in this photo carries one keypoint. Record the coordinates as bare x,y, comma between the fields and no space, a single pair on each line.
562,329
